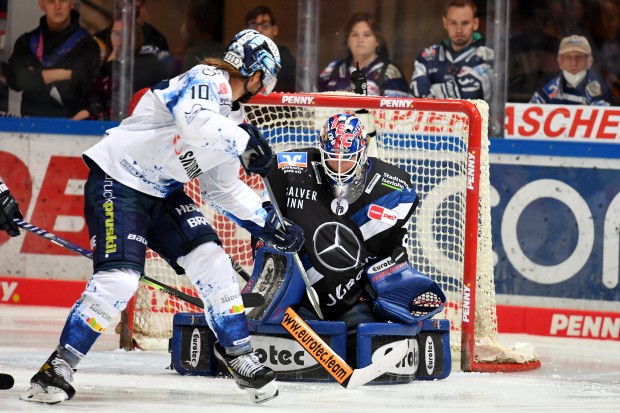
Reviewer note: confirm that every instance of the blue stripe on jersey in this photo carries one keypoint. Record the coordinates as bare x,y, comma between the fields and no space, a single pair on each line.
389,201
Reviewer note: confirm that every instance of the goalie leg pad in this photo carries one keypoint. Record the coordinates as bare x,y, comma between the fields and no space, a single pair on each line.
211,272
428,357
105,296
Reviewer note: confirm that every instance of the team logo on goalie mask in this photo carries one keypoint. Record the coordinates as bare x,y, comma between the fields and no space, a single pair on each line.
336,246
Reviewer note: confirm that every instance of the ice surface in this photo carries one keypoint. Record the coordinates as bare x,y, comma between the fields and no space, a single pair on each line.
576,375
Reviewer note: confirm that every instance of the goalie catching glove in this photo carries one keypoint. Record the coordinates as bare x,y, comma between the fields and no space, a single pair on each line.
9,210
258,156
285,237
400,293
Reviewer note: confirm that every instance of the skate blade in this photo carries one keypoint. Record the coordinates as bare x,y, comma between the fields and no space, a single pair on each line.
50,395
267,392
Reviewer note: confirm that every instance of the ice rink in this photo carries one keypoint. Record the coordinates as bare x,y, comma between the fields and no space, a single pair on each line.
576,375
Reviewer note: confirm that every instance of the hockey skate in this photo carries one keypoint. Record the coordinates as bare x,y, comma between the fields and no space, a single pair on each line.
52,383
249,374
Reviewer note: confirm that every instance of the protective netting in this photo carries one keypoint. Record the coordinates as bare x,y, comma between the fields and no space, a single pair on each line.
433,146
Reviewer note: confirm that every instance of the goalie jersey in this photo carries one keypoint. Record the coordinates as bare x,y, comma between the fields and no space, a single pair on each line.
341,238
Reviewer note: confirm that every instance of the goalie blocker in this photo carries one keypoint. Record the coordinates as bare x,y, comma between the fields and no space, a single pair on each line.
275,277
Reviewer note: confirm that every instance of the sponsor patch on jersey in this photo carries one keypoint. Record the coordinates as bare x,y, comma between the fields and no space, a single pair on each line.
292,160
393,181
223,88
379,213
372,183
340,206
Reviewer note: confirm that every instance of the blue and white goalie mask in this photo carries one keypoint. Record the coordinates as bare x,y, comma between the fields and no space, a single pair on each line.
344,147
251,52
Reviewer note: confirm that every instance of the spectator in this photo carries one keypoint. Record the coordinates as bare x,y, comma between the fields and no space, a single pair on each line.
263,20
54,64
197,31
366,47
148,71
153,42
576,84
460,67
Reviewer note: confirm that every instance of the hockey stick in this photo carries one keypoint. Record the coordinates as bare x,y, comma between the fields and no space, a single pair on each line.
6,381
344,374
312,295
249,299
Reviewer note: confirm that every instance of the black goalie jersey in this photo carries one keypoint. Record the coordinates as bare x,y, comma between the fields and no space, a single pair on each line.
341,238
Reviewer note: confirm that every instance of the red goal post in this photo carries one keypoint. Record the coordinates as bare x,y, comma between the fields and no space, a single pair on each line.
443,144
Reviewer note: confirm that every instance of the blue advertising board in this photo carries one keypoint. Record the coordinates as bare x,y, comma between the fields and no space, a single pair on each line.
556,222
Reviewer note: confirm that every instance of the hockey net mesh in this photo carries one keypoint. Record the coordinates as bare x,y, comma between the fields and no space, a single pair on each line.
432,147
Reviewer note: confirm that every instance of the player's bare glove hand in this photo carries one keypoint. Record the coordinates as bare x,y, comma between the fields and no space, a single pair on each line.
258,156
287,237
9,209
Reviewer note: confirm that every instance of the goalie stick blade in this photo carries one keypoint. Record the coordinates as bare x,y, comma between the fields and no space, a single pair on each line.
348,377
368,373
6,381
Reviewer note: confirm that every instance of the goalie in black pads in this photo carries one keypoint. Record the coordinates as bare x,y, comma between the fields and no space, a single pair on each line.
181,129
354,211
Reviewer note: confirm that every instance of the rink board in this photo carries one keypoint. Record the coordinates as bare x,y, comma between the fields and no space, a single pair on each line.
566,233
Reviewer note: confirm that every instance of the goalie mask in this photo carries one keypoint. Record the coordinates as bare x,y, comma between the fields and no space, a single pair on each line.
343,146
251,52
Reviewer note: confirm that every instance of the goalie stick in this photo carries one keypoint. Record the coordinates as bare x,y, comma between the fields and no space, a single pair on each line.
6,381
249,299
310,291
344,374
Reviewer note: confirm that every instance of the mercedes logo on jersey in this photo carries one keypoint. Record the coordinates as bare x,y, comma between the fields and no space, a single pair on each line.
336,246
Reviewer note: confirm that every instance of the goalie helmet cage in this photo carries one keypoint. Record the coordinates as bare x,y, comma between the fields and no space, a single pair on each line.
444,145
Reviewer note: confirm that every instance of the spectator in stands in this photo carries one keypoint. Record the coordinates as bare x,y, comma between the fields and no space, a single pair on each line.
460,67
365,47
263,20
576,84
54,65
533,49
153,42
148,71
197,31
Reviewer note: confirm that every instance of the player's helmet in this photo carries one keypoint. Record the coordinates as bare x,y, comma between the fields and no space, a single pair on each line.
343,146
250,52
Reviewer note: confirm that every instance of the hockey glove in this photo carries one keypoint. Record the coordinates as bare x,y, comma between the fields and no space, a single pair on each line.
258,156
285,238
9,209
402,294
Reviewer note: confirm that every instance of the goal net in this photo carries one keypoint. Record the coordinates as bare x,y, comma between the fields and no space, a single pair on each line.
444,145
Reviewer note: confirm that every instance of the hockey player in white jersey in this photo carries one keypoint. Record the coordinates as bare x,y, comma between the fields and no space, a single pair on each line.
180,129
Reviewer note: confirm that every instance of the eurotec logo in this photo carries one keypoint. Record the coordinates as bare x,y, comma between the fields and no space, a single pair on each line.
195,348
429,349
281,354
